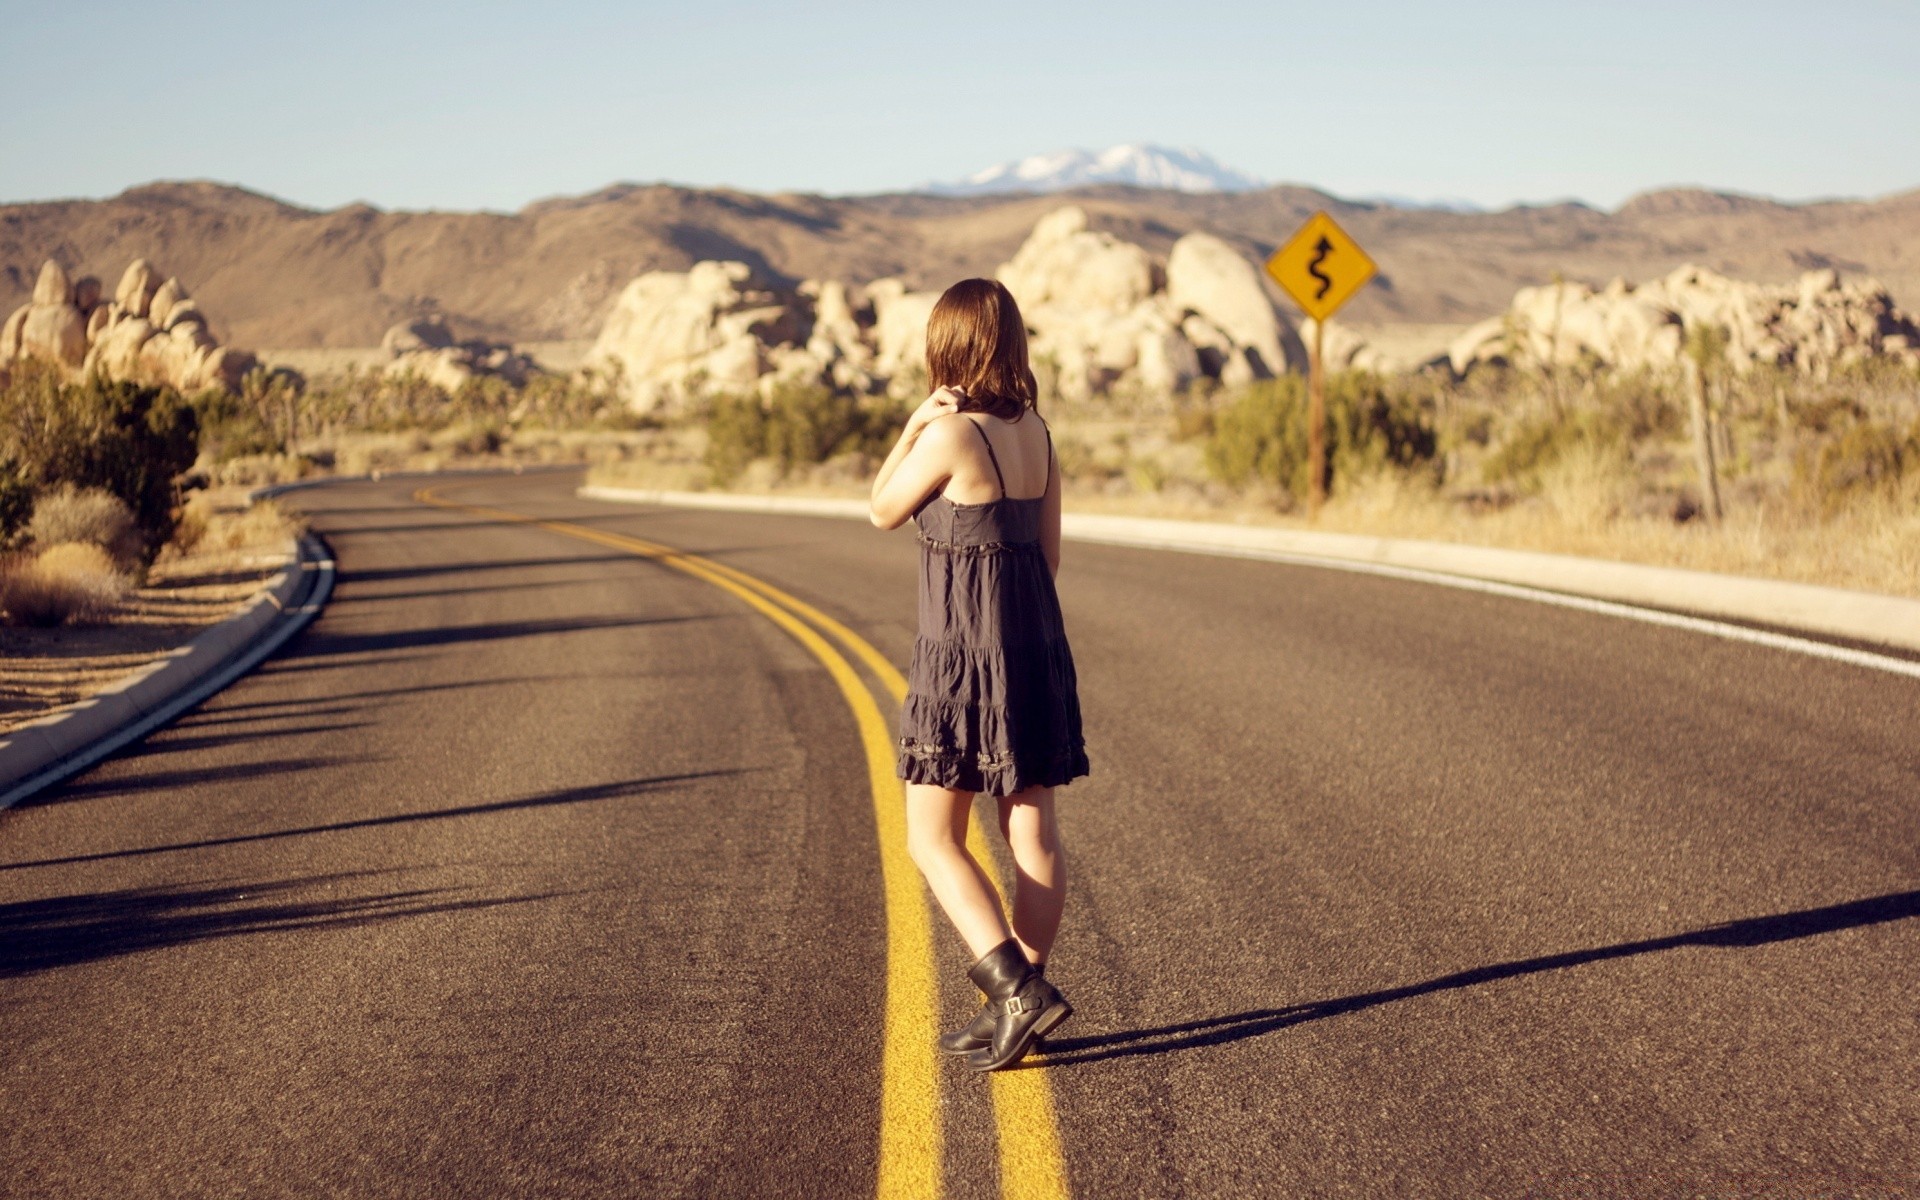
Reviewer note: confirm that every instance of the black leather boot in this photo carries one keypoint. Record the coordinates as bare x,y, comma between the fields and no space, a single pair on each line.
977,1034
1025,1006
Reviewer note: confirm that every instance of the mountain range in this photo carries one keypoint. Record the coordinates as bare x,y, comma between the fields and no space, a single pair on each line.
276,275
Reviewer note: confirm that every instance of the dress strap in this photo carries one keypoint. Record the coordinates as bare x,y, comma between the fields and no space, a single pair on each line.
994,458
1048,429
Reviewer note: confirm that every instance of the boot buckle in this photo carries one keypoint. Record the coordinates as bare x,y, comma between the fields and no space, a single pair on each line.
1016,1005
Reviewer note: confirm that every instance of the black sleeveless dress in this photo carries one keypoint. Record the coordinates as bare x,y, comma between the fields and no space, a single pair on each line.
992,702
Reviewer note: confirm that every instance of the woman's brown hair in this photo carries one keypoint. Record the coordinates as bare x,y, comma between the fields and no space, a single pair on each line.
977,345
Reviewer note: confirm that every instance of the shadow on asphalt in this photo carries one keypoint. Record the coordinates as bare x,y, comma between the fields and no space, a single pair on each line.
1218,1031
490,565
322,644
114,785
41,935
303,705
357,596
176,742
248,718
579,795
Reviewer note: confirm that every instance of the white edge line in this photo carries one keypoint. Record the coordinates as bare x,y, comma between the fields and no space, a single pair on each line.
294,620
1610,608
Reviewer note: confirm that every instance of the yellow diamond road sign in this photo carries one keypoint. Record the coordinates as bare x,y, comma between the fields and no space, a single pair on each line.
1320,267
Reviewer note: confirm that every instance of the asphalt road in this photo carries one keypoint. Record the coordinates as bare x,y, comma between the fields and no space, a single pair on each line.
535,868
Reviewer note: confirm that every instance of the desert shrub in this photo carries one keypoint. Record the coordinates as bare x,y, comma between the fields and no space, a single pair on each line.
192,525
590,398
234,426
798,425
1608,417
262,526
477,436
1861,457
65,584
1260,434
127,439
736,435
16,504
89,516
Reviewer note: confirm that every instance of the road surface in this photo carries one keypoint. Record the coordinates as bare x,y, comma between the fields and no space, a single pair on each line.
540,866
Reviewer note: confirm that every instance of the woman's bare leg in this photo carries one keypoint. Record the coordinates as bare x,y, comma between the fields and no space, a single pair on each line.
1040,891
937,840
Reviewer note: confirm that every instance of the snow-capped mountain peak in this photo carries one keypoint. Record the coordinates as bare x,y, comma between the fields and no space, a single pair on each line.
1183,169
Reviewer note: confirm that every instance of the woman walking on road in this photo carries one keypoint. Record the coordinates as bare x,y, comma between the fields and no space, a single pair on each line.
992,704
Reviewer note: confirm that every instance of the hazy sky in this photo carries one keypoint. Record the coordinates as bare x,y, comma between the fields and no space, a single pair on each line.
491,105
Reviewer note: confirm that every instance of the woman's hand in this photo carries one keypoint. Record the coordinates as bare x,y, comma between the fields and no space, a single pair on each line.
942,402
898,492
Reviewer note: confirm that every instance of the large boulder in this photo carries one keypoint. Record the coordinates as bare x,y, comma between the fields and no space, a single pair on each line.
409,337
55,331
137,286
672,333
840,345
1064,265
900,327
1211,279
10,334
1814,324
50,326
426,349
53,287
151,332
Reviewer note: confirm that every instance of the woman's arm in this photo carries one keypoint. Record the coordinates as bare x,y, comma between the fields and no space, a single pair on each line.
907,477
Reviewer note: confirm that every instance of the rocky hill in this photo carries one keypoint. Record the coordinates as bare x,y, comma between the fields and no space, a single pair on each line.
279,275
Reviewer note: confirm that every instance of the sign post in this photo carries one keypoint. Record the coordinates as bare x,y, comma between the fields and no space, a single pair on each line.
1321,268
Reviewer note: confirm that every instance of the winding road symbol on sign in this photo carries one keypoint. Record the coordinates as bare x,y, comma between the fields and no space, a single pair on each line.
1321,249
1321,267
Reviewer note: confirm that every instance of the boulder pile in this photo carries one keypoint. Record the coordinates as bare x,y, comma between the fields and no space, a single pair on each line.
426,349
1814,325
149,332
1104,317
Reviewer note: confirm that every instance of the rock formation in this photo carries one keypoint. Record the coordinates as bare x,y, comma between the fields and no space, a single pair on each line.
1814,324
1104,316
426,349
672,334
150,332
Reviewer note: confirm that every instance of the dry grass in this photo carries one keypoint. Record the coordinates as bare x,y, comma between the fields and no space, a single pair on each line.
213,523
89,516
228,552
1872,545
1586,506
66,584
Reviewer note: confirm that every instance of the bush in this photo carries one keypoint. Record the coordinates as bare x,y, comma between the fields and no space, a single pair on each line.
736,435
1261,433
1861,458
65,584
798,425
1610,418
16,504
88,516
236,426
124,438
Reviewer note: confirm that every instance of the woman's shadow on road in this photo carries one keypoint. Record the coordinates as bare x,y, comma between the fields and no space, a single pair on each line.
1217,1031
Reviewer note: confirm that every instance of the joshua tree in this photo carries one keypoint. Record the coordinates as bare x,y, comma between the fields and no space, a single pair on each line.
1706,355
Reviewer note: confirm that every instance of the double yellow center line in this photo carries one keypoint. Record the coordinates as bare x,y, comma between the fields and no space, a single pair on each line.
1031,1165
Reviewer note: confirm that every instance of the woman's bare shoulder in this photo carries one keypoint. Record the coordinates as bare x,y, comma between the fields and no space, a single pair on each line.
946,433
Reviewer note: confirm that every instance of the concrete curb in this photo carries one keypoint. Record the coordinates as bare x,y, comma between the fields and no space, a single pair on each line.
55,747
1832,612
